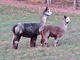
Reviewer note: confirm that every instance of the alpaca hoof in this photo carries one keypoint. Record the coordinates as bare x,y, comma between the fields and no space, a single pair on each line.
48,46
15,47
33,45
55,45
42,45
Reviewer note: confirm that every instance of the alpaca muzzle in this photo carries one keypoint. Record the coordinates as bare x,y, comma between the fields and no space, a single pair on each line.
67,22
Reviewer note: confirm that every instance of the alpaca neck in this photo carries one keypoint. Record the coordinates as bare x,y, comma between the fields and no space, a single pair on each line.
43,21
64,26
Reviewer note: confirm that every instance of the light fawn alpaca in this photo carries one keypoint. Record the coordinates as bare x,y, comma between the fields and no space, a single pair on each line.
54,31
30,30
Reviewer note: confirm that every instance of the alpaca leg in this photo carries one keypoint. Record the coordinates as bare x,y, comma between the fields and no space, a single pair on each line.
42,39
33,41
16,41
56,42
46,42
46,38
42,42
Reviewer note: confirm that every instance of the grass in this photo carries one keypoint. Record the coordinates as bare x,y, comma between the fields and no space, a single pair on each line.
69,48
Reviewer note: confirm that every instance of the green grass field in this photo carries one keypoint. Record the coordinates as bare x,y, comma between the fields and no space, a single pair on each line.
69,48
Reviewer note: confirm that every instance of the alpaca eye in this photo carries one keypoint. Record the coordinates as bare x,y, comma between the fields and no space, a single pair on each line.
67,19
47,11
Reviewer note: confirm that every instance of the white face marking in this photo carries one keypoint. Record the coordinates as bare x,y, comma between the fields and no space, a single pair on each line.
67,19
49,12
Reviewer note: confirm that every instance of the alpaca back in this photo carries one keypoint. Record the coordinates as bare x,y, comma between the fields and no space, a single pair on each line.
53,30
31,28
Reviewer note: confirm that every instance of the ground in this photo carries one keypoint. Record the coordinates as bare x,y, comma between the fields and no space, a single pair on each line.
38,7
12,12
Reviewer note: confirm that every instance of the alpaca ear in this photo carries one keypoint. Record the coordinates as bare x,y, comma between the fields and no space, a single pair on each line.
46,8
65,17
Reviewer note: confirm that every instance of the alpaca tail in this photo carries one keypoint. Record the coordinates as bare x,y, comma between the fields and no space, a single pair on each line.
17,29
13,29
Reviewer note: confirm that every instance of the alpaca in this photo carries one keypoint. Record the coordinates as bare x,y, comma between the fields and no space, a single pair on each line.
54,31
30,30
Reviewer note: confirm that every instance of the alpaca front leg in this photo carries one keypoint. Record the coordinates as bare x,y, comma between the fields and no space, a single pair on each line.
42,41
33,42
46,42
55,42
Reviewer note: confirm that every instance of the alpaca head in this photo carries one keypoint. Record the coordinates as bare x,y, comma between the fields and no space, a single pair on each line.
67,19
47,12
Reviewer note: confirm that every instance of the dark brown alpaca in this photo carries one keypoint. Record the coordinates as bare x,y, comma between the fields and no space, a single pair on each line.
54,31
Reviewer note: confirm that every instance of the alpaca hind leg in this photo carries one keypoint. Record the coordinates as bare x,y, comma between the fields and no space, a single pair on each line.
16,41
56,42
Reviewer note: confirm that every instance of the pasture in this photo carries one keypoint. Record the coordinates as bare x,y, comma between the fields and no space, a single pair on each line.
69,48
